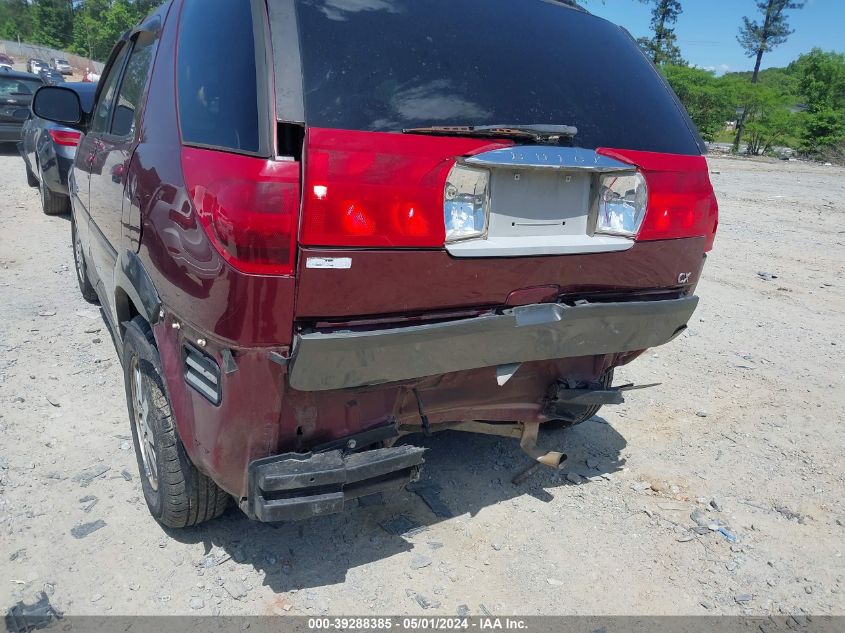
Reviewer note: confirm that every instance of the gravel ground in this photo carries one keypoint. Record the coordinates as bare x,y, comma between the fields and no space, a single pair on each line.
745,432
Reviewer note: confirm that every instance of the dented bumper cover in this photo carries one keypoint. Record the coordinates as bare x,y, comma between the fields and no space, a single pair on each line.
338,360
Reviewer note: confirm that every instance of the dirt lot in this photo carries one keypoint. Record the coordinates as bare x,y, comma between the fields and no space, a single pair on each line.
749,419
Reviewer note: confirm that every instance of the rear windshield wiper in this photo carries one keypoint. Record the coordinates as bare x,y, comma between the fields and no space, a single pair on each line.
539,132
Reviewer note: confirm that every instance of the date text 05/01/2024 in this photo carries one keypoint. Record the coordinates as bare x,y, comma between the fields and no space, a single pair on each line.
417,624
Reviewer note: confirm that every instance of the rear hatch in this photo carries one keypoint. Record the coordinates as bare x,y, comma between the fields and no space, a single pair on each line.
467,154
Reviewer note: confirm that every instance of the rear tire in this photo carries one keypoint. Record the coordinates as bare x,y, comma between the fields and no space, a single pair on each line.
51,203
579,414
177,494
85,287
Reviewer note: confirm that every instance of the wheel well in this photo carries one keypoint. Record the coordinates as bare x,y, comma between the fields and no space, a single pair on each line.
125,308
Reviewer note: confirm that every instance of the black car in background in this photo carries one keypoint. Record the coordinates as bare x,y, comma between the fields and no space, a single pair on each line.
51,77
48,150
16,92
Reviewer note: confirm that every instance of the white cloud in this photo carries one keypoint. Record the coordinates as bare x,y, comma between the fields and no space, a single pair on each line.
721,69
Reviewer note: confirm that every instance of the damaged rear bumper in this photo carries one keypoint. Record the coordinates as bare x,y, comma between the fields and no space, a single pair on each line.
301,485
339,360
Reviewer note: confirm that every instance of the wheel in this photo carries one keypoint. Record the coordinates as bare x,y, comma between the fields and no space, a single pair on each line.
177,494
580,413
85,287
51,203
31,180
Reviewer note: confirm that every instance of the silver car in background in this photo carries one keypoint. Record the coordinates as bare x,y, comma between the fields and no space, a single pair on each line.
62,65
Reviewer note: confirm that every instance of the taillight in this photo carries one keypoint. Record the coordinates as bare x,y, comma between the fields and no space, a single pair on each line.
357,213
681,202
247,206
379,189
65,138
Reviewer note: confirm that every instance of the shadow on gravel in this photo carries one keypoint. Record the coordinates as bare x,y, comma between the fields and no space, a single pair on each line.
463,473
11,149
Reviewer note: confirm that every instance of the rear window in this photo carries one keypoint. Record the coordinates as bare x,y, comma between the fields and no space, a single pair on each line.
218,94
18,87
385,65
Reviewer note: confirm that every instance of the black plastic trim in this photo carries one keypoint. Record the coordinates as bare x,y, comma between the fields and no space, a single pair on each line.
297,486
290,100
132,278
202,374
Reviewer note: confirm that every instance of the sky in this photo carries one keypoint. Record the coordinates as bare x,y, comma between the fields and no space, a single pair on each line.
707,29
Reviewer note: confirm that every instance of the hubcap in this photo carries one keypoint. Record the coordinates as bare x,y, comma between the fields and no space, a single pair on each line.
80,263
141,412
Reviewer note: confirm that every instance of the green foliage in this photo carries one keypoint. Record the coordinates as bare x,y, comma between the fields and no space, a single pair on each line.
821,79
768,120
704,96
52,23
662,47
822,85
87,27
823,131
758,38
99,23
15,19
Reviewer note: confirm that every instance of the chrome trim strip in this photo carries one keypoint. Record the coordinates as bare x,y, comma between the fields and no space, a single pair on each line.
533,245
548,157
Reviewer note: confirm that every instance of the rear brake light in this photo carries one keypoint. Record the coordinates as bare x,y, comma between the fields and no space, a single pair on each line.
247,206
379,189
65,138
681,202
355,212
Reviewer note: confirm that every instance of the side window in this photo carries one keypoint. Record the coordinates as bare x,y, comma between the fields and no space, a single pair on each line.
105,104
131,91
218,93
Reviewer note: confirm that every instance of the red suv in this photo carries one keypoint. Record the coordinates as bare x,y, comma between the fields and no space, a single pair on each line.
318,226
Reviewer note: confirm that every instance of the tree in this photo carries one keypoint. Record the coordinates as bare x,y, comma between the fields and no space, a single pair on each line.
822,84
705,97
15,20
757,39
821,79
52,23
662,47
823,133
87,27
768,120
99,23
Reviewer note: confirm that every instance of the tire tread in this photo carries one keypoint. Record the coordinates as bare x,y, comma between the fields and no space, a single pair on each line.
188,497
